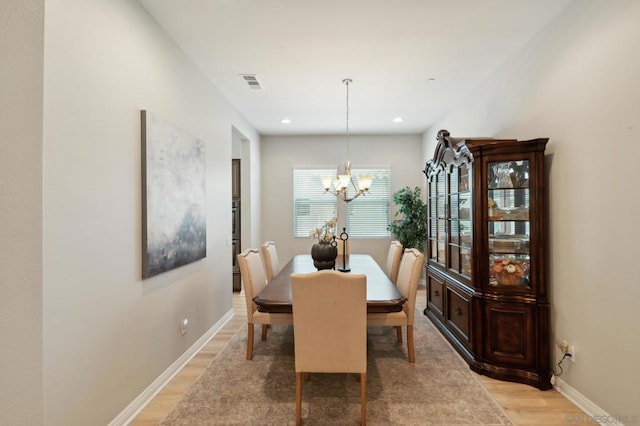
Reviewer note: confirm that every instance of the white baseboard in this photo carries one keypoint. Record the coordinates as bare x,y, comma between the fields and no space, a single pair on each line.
592,411
132,410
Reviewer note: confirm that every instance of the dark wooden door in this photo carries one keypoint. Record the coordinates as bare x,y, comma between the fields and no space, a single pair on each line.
235,220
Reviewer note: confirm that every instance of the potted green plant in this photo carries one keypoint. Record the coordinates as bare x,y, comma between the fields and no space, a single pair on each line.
411,228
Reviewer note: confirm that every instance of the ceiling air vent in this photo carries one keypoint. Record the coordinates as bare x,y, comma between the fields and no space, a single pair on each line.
251,80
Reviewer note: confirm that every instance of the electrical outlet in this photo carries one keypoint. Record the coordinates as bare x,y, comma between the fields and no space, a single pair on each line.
572,351
184,326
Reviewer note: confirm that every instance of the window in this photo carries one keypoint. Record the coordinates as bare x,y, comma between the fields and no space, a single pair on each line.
368,215
311,206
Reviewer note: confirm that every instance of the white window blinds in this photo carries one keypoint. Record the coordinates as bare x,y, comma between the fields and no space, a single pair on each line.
311,206
368,215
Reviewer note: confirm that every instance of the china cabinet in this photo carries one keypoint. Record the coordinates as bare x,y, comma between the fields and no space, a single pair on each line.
486,226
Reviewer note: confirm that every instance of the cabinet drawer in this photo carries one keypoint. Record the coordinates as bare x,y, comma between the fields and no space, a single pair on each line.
457,313
435,292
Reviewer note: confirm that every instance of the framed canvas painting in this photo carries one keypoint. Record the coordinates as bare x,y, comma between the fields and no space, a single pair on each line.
174,221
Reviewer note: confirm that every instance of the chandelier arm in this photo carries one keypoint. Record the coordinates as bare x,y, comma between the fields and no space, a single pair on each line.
342,193
353,184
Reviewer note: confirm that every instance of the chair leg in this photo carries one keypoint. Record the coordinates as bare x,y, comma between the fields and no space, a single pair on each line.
249,341
265,327
298,398
363,399
399,333
412,357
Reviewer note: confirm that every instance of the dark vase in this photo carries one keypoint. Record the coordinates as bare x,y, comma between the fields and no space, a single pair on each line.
324,255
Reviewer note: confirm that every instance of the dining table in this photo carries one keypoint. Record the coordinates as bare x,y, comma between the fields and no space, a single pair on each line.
382,295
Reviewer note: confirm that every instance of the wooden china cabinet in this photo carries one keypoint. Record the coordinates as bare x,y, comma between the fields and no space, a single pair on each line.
486,226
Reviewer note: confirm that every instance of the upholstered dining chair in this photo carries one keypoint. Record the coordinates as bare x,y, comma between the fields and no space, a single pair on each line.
270,256
408,279
253,281
330,328
393,261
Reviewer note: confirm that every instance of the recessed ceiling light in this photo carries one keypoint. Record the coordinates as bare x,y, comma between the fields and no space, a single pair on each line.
285,121
398,120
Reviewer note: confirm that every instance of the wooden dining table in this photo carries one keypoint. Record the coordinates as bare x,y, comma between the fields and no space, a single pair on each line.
382,295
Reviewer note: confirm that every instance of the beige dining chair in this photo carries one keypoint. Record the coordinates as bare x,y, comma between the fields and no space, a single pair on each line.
330,328
408,279
270,256
393,261
253,281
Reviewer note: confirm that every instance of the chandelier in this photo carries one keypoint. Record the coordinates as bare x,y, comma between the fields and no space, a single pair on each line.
339,186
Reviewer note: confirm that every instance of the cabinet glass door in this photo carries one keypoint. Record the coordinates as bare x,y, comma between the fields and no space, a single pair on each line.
460,221
509,228
437,219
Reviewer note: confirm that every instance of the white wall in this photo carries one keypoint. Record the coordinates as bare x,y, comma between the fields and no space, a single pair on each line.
577,83
21,46
107,333
280,153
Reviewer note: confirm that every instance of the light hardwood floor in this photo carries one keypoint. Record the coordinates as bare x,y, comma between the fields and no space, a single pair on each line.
525,405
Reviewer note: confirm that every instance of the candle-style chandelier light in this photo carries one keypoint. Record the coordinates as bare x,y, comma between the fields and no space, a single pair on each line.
339,185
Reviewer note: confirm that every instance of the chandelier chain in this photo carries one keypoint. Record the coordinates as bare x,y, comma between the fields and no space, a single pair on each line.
347,81
343,182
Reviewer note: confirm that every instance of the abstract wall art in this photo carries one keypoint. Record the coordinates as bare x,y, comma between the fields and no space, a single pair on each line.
174,221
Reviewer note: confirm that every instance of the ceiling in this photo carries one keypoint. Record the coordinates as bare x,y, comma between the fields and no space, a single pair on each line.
413,59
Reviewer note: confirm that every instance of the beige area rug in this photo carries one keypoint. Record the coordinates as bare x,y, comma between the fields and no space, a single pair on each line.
439,389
